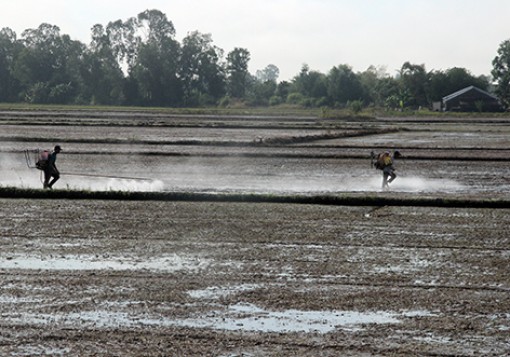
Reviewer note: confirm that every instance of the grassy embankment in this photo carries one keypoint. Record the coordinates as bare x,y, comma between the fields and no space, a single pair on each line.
338,199
284,110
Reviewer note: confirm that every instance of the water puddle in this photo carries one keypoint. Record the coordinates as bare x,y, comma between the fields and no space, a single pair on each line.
249,317
215,292
212,314
169,263
238,317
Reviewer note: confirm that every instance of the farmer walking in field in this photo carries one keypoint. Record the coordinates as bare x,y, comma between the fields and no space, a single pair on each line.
51,173
384,161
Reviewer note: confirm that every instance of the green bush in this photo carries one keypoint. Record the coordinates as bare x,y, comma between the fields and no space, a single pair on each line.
356,106
295,98
275,100
224,102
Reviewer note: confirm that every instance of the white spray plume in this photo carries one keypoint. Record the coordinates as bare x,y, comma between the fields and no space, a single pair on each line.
15,173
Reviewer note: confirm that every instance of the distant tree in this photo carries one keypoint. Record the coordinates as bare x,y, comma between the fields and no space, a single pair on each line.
270,73
49,66
37,63
155,62
155,72
200,70
139,62
443,83
460,78
501,72
123,41
9,50
312,85
260,93
343,85
375,82
154,27
264,89
386,90
103,77
414,79
126,37
238,77
282,90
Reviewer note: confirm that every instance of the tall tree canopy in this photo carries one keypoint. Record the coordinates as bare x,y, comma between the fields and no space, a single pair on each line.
237,71
501,72
9,51
442,83
138,61
49,65
201,72
343,85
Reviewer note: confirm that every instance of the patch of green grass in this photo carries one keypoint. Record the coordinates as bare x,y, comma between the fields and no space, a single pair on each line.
273,110
282,109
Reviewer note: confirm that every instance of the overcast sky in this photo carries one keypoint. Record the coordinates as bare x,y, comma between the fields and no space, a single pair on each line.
320,33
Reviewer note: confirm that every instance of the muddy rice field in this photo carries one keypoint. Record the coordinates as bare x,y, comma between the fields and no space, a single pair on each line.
117,276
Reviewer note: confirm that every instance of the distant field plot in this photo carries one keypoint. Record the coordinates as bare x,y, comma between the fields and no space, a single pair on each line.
198,277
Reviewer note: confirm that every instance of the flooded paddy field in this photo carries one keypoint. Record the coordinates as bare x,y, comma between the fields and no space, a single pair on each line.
193,278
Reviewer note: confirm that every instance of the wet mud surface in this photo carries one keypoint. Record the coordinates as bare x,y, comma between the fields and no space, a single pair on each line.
132,278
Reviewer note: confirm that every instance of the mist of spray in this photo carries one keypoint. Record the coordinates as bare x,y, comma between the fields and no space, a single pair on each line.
197,176
422,184
111,184
134,185
362,184
15,173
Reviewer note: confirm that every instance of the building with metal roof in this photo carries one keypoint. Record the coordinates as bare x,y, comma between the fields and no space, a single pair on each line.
472,99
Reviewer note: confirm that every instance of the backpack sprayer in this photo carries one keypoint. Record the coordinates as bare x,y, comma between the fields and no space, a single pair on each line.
37,159
380,160
377,160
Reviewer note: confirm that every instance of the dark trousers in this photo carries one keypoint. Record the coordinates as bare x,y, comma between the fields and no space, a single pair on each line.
388,172
51,175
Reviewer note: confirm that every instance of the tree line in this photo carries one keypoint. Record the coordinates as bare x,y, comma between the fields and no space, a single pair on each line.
139,62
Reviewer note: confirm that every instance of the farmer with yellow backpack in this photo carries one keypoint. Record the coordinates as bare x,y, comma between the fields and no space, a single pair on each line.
384,161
